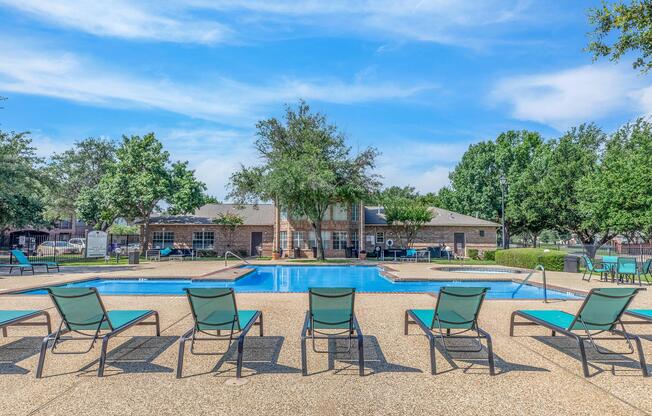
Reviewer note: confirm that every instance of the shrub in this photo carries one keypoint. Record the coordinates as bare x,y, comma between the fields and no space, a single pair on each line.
489,255
529,258
473,253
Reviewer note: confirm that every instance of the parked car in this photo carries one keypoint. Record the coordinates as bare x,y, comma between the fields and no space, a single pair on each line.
50,248
79,243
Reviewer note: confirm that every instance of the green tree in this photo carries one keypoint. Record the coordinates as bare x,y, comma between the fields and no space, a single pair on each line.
306,167
74,171
570,159
95,207
405,212
622,27
142,179
618,195
475,182
230,222
21,182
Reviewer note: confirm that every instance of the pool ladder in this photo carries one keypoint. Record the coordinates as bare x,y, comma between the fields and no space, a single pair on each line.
545,284
226,256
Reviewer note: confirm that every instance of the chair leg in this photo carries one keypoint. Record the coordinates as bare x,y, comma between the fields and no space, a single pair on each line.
238,371
490,352
41,357
304,358
585,364
158,324
182,350
260,323
641,356
105,345
361,354
405,330
433,364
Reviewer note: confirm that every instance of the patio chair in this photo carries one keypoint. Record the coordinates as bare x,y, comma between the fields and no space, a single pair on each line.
600,312
82,312
610,263
645,315
646,271
627,269
165,253
22,318
331,315
410,255
214,309
456,310
24,261
591,268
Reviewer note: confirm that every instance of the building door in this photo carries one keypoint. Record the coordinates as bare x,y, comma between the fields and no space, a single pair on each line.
256,241
459,243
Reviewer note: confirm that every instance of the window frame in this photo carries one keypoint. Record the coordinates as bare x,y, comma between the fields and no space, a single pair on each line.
166,239
203,240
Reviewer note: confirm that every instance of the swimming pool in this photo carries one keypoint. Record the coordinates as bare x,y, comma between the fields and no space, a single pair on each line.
283,279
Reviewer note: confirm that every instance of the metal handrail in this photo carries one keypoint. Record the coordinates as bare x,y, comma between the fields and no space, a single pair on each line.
226,255
545,283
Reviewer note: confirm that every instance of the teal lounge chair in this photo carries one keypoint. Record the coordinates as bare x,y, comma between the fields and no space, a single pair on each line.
601,312
592,268
24,261
627,269
457,310
610,263
82,312
214,309
22,318
331,314
410,255
646,270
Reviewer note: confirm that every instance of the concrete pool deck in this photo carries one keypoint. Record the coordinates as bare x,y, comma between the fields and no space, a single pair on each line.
537,374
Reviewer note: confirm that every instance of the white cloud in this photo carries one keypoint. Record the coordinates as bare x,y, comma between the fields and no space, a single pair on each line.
68,76
564,98
423,165
124,19
443,21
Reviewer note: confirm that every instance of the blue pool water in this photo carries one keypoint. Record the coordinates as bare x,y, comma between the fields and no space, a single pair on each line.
300,278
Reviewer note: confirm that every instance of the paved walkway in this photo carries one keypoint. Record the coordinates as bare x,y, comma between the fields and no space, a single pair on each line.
537,374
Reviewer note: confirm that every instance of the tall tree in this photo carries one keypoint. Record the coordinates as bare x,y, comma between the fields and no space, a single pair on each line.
622,27
475,182
618,195
306,166
405,212
143,178
570,159
74,171
230,222
21,182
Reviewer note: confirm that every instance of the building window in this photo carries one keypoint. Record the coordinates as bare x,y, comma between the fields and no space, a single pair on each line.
354,240
355,212
380,237
339,212
325,238
481,233
339,240
162,239
299,239
283,236
203,240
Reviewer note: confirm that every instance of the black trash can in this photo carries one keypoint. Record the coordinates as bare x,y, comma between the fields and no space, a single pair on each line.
348,252
134,257
572,264
297,253
314,252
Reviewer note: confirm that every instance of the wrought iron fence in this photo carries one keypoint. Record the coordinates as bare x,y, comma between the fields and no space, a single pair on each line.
65,248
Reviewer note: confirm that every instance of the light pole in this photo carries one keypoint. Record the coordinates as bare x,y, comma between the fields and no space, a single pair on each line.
503,182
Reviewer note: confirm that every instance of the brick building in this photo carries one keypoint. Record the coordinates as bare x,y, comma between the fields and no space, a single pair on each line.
266,228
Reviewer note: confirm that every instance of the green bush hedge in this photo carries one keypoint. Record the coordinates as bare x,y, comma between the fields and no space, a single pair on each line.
473,253
489,255
529,258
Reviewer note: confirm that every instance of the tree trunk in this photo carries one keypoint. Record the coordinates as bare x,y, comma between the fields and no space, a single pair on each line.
321,255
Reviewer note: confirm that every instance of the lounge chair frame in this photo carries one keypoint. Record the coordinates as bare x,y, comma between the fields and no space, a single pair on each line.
591,268
191,334
20,321
623,334
309,330
431,335
32,264
21,267
64,328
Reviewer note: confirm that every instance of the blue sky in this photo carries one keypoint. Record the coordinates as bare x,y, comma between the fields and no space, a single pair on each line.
419,80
